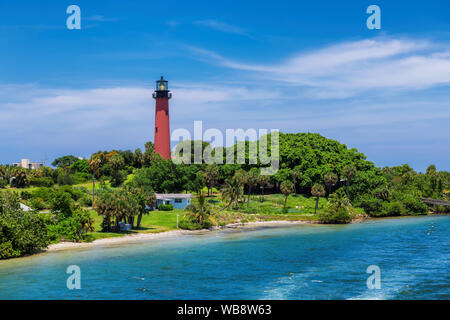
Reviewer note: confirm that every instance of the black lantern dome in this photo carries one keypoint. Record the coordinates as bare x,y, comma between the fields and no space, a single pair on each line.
162,89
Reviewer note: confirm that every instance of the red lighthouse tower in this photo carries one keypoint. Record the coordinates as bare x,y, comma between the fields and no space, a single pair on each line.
162,129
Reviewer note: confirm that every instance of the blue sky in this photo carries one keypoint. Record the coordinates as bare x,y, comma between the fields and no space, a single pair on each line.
291,65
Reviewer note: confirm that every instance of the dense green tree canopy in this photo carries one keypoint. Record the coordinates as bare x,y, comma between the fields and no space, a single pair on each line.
64,161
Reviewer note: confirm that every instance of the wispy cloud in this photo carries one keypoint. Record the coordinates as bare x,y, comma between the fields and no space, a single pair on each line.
220,26
104,107
352,68
58,121
99,18
289,95
173,23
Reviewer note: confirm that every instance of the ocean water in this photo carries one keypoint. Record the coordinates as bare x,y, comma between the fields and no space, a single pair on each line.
298,262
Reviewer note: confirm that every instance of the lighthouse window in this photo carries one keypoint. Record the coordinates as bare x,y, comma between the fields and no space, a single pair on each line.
156,129
166,112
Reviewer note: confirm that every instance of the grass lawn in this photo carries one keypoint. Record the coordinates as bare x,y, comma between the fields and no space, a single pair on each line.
154,222
262,208
301,208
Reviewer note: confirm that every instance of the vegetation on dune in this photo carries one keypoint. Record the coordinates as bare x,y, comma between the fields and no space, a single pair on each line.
124,184
20,232
340,209
199,215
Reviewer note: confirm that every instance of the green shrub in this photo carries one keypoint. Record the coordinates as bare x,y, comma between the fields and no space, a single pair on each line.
189,223
66,179
73,228
85,201
3,183
75,192
45,194
88,238
339,210
42,182
81,177
266,210
439,209
38,204
371,205
165,207
20,232
117,178
340,216
413,205
62,205
7,250
26,195
394,208
251,210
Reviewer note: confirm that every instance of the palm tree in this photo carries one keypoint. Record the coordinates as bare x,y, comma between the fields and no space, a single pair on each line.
339,200
287,187
145,197
201,209
3,172
19,177
4,175
251,181
138,157
263,181
296,177
105,207
431,170
349,173
210,176
317,190
117,163
233,190
382,193
94,165
330,179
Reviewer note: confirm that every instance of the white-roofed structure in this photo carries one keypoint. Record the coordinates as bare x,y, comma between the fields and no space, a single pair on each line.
178,200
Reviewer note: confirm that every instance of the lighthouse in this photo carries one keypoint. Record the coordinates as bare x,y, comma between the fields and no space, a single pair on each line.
162,128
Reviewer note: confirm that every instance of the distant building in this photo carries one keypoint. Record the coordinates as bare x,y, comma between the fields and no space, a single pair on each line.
25,163
24,207
178,200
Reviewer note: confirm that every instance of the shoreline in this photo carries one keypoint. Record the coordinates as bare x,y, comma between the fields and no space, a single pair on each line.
141,237
62,246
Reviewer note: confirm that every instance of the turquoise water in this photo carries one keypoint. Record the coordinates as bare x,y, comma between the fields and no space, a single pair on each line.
301,262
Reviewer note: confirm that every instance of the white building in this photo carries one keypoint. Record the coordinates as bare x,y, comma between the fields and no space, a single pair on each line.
24,207
25,163
178,200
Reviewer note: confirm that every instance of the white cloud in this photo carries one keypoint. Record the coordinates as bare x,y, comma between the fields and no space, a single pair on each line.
391,70
220,26
100,18
102,107
348,69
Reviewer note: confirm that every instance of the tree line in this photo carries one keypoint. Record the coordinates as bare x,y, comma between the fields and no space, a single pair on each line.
309,164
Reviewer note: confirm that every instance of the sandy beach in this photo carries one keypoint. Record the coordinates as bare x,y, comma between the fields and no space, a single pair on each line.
165,235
